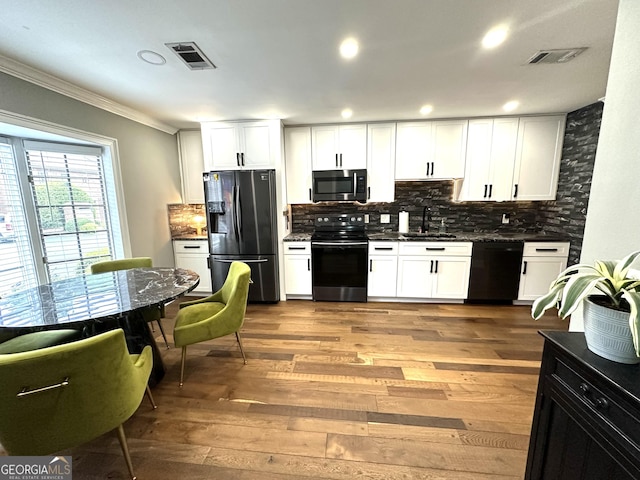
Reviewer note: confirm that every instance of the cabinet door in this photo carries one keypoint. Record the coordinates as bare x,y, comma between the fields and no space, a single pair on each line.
414,276
325,147
353,147
537,274
449,149
383,271
414,149
220,146
478,164
538,157
503,154
297,274
451,279
197,263
191,166
255,145
381,156
297,147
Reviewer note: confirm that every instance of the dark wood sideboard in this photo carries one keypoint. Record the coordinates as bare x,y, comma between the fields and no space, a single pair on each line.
586,423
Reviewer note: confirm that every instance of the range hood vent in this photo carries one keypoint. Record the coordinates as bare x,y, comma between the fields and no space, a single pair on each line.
562,55
191,55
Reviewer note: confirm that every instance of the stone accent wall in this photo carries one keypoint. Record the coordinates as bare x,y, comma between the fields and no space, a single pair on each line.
564,217
568,214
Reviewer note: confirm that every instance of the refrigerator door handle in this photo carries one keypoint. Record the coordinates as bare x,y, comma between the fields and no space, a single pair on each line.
238,213
220,260
235,213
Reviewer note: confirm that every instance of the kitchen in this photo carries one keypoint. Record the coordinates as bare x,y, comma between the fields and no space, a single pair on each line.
519,220
615,170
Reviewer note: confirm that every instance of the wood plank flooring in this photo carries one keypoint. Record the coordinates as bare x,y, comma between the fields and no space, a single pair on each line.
381,391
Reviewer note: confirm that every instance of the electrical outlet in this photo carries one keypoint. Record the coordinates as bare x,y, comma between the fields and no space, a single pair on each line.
366,218
385,218
505,218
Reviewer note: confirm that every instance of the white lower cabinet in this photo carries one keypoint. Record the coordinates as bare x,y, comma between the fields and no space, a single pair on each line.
297,268
383,269
434,269
542,262
193,255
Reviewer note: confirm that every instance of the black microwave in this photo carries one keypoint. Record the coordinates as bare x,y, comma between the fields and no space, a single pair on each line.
340,186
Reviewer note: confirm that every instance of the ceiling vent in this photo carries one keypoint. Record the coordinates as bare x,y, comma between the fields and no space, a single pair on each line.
191,55
555,56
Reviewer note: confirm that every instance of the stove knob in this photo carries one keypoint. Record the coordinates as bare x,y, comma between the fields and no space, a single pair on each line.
359,219
326,219
353,219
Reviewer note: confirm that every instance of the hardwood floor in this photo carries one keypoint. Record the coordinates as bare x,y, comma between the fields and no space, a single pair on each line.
339,391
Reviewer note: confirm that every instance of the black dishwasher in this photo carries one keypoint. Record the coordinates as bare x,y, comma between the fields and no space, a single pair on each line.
495,272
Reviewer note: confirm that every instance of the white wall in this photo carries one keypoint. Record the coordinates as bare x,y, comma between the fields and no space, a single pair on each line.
612,227
148,159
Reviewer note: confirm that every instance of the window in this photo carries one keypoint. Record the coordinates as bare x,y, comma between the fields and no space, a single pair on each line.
17,269
65,215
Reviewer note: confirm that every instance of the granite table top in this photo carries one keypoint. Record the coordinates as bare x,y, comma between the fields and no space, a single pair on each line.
88,298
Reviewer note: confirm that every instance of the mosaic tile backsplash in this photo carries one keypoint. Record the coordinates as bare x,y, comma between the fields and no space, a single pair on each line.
184,218
566,215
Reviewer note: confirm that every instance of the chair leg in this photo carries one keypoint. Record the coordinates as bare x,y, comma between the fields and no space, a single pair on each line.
153,404
125,450
163,335
241,349
184,355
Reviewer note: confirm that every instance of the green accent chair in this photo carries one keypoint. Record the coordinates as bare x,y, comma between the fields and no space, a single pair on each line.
215,316
150,314
60,397
42,339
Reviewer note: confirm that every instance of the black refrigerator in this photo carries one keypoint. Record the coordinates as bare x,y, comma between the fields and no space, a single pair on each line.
241,225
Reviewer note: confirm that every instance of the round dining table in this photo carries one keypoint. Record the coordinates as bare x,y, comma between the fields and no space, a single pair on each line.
97,303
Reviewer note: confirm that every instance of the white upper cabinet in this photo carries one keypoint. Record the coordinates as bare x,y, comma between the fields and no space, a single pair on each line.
381,155
431,150
513,158
491,150
238,145
538,156
297,148
337,147
191,165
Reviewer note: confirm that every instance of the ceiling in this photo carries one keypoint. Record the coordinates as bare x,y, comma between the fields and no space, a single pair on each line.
279,58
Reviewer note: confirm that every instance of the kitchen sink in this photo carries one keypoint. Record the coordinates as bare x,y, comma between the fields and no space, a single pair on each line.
428,235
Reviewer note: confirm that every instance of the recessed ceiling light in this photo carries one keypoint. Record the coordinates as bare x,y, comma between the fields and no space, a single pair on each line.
349,48
347,112
151,57
426,109
494,37
510,106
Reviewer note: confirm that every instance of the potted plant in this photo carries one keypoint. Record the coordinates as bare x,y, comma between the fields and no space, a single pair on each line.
611,318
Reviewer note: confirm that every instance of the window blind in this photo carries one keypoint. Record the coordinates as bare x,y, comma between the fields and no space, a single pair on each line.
17,269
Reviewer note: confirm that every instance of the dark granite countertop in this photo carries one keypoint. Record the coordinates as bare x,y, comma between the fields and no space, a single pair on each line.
449,237
189,237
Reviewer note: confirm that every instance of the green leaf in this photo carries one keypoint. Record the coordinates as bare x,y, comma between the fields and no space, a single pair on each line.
605,267
547,301
575,291
623,265
634,322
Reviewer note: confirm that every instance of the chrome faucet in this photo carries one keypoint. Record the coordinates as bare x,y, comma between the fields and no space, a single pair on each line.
424,228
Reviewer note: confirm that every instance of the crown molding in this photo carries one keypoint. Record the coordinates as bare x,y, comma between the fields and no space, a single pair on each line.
42,79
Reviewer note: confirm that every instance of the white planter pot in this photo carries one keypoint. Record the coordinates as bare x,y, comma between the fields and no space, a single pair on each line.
608,334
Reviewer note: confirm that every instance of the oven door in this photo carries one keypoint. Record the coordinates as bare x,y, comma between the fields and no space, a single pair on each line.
339,270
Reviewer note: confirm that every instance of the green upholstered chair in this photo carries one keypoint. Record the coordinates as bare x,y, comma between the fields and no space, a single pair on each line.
150,314
42,339
216,316
59,397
